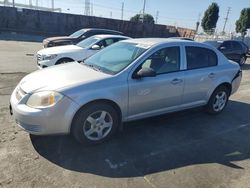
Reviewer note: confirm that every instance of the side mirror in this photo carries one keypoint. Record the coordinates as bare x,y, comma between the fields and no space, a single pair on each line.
222,48
144,72
95,47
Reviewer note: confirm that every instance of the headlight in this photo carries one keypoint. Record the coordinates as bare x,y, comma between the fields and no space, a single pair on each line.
49,57
44,99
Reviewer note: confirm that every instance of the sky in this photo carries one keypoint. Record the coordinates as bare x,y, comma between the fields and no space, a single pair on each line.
180,13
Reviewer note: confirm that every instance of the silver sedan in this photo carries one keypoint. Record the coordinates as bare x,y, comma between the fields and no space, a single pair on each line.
129,80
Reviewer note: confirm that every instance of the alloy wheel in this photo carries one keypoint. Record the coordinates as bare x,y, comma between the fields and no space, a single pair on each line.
97,125
242,60
220,101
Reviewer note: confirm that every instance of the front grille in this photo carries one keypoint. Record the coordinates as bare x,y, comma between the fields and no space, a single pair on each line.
39,57
20,94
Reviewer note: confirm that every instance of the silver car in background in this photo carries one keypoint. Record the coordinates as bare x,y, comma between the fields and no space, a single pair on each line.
129,80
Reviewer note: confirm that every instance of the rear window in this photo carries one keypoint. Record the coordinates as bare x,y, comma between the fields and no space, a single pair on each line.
198,57
215,44
237,45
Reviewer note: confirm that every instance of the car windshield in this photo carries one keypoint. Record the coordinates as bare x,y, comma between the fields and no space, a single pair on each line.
88,42
115,58
78,33
215,44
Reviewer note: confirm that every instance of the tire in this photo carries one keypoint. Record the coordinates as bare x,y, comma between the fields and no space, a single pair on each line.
218,100
95,123
64,60
242,60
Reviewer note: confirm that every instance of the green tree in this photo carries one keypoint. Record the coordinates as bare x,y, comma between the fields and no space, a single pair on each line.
147,18
210,18
243,23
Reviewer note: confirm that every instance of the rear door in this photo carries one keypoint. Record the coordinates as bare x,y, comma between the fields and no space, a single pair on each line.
237,51
201,72
227,49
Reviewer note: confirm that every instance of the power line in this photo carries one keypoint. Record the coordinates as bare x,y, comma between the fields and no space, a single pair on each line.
226,19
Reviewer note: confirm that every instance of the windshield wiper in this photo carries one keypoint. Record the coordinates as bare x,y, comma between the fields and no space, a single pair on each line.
95,67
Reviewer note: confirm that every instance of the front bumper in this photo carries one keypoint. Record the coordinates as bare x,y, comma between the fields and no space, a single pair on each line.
53,120
46,63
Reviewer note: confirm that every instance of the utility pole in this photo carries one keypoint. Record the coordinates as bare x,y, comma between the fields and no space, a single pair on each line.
92,11
143,10
30,3
198,24
226,19
52,5
156,16
13,3
111,14
87,8
122,10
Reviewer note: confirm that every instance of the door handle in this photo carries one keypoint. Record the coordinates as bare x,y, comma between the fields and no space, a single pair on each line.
211,75
176,81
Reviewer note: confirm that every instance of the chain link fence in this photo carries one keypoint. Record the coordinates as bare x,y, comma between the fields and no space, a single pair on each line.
204,37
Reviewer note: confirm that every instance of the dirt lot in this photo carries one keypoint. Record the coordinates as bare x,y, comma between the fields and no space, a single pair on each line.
186,149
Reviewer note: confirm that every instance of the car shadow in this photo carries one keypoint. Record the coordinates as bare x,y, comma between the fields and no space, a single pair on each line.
246,66
158,144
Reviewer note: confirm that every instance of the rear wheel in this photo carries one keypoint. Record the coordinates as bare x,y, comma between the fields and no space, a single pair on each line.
95,123
218,100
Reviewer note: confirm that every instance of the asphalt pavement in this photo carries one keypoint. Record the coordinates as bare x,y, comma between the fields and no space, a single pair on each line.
184,149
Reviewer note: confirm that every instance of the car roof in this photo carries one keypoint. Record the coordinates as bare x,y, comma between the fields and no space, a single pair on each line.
99,29
220,41
103,36
149,42
182,38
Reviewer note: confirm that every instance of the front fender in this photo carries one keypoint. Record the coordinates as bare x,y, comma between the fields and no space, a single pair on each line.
117,93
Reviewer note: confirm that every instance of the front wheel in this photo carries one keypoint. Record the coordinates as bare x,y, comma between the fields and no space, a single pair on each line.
242,60
95,123
63,61
218,100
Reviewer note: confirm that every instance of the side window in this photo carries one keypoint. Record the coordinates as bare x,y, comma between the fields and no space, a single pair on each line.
102,44
236,46
109,42
198,57
106,42
226,44
88,33
118,39
164,61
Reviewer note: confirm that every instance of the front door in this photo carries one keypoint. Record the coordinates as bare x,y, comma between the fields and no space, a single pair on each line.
155,95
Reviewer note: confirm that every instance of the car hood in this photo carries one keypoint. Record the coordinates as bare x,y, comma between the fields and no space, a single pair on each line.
60,77
59,50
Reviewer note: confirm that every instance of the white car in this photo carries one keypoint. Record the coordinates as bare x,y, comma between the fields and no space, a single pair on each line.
82,50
